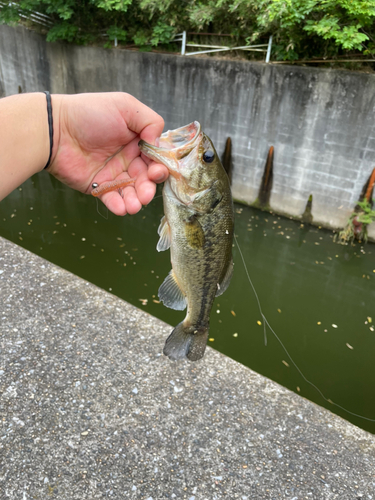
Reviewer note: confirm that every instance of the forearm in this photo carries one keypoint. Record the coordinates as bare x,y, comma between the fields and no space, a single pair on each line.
24,139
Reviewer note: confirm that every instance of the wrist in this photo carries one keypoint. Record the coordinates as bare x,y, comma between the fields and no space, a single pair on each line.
24,138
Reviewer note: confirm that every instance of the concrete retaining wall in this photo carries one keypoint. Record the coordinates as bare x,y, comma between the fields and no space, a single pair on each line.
321,122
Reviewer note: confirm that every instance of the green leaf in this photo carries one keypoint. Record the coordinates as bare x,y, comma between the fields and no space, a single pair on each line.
115,32
162,33
9,14
140,38
63,31
119,5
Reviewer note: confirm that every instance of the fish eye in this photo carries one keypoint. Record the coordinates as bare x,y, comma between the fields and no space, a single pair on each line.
208,156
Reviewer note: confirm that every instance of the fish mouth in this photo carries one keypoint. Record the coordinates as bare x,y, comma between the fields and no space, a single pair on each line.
173,146
180,138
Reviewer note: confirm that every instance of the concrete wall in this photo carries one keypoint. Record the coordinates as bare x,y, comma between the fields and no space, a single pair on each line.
321,122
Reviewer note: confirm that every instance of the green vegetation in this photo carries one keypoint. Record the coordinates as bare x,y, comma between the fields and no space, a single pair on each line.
301,28
356,227
367,214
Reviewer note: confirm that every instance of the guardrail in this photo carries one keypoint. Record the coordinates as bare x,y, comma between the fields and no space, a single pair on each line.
182,37
35,17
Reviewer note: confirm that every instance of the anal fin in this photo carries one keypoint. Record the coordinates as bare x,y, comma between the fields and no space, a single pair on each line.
171,294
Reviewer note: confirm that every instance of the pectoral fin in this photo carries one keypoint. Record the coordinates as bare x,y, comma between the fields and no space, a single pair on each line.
164,232
226,280
171,294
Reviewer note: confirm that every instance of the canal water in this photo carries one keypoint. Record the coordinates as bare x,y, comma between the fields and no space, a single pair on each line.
318,296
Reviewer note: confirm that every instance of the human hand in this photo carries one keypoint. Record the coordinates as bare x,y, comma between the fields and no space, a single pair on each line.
90,130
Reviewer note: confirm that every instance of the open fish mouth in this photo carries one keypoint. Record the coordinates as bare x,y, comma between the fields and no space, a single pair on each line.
180,137
173,145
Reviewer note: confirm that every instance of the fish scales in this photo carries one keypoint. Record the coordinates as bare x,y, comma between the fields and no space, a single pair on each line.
198,229
199,268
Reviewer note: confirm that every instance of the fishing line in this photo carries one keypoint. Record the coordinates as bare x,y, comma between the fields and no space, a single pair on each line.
255,293
101,168
158,196
97,209
265,322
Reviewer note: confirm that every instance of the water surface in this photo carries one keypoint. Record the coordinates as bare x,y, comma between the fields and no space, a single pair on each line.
318,296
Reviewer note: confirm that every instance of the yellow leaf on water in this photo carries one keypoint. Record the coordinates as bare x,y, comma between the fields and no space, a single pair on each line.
279,310
259,322
319,323
235,335
286,364
233,313
211,339
369,319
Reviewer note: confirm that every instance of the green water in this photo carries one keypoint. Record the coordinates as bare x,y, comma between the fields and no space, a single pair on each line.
317,295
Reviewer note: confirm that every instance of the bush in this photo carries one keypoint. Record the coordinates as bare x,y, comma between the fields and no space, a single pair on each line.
301,28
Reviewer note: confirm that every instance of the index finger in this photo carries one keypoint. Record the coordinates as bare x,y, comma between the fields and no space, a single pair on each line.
140,118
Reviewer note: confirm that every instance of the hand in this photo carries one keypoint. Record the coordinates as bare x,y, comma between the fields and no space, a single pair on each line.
90,129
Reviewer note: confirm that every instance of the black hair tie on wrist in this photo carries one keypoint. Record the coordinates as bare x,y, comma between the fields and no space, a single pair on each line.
50,126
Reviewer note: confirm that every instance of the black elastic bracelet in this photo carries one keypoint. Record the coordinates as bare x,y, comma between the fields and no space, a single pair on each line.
50,126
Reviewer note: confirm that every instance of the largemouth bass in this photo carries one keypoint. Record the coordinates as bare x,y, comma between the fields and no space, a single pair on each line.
198,228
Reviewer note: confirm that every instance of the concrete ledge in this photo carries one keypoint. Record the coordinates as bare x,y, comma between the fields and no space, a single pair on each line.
91,409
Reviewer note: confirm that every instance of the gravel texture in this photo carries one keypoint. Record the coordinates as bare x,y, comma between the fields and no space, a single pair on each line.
90,408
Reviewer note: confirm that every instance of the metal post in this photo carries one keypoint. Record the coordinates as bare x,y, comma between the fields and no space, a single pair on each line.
183,45
115,41
268,56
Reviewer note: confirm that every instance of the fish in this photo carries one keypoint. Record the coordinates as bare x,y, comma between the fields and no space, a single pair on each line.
197,227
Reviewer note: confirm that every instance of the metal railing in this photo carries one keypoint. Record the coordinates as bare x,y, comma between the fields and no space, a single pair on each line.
182,37
35,17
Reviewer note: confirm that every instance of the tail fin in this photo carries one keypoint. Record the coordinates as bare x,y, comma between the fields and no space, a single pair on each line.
186,342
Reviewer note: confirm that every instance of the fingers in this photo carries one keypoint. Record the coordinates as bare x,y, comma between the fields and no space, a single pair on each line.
144,188
114,202
157,173
140,118
129,200
141,122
